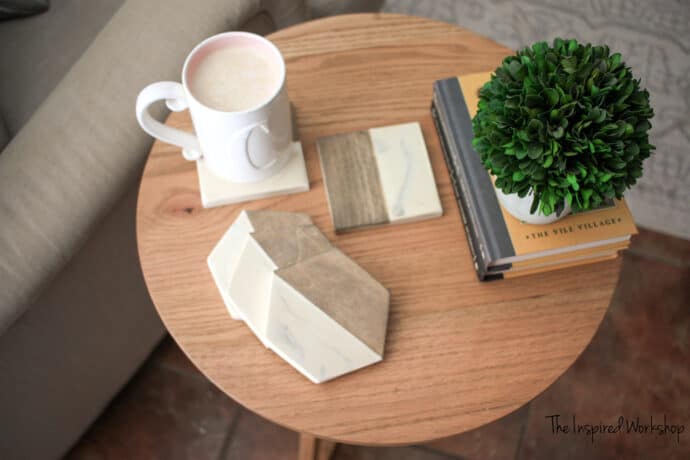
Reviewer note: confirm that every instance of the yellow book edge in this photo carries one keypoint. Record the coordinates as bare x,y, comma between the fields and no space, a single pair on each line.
563,257
556,264
534,271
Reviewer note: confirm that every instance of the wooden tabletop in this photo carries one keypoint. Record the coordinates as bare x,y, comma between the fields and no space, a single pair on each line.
459,353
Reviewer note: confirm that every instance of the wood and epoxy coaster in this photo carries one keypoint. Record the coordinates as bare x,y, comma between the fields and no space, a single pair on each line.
378,176
302,297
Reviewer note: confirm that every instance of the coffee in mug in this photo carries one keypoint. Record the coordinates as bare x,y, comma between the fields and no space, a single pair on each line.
234,87
235,79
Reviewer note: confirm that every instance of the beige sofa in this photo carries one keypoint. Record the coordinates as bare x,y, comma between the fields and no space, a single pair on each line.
75,317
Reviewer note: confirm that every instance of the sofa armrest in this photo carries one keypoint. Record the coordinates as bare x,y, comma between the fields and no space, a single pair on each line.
82,148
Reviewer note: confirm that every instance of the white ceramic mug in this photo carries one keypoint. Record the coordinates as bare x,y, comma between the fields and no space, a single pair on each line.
243,146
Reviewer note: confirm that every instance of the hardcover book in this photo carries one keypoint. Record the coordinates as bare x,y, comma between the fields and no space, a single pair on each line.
501,245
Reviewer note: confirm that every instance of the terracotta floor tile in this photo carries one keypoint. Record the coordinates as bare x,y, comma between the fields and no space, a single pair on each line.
498,440
662,247
636,365
161,414
255,438
345,452
169,354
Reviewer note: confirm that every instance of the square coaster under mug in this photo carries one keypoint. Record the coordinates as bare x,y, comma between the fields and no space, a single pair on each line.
292,178
216,191
378,176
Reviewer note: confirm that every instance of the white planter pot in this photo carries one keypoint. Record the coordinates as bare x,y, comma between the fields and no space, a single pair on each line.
519,208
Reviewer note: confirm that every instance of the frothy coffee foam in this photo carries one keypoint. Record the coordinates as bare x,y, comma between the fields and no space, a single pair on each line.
234,79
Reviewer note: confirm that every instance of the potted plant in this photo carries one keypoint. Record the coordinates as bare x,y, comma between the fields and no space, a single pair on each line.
562,127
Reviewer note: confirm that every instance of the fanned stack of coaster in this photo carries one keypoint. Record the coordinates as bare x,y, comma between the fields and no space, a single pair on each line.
301,296
378,176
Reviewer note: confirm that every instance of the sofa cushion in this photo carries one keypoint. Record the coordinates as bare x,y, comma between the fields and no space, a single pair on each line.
73,159
85,335
321,8
284,14
10,9
37,52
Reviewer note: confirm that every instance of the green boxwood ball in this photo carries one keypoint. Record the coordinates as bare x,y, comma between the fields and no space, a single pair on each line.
567,123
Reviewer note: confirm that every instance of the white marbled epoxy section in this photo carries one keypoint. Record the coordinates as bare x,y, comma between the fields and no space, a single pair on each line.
225,256
310,340
405,172
250,286
217,192
242,272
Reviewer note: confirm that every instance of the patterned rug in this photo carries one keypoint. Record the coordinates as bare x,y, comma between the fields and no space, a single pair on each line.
654,38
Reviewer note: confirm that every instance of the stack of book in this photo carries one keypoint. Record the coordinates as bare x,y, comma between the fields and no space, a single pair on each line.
501,245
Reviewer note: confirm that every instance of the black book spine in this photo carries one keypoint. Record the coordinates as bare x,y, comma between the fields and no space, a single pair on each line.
479,263
474,190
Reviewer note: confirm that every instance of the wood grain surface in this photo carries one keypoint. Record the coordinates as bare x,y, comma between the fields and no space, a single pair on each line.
351,179
459,353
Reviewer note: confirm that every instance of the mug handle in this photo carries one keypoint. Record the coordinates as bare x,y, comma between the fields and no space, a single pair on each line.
173,94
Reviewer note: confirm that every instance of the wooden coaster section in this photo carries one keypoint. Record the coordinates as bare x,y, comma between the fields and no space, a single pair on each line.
352,181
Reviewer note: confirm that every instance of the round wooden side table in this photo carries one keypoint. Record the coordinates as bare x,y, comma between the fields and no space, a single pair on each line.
459,353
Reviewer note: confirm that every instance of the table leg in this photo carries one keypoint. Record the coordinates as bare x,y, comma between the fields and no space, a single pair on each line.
312,448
